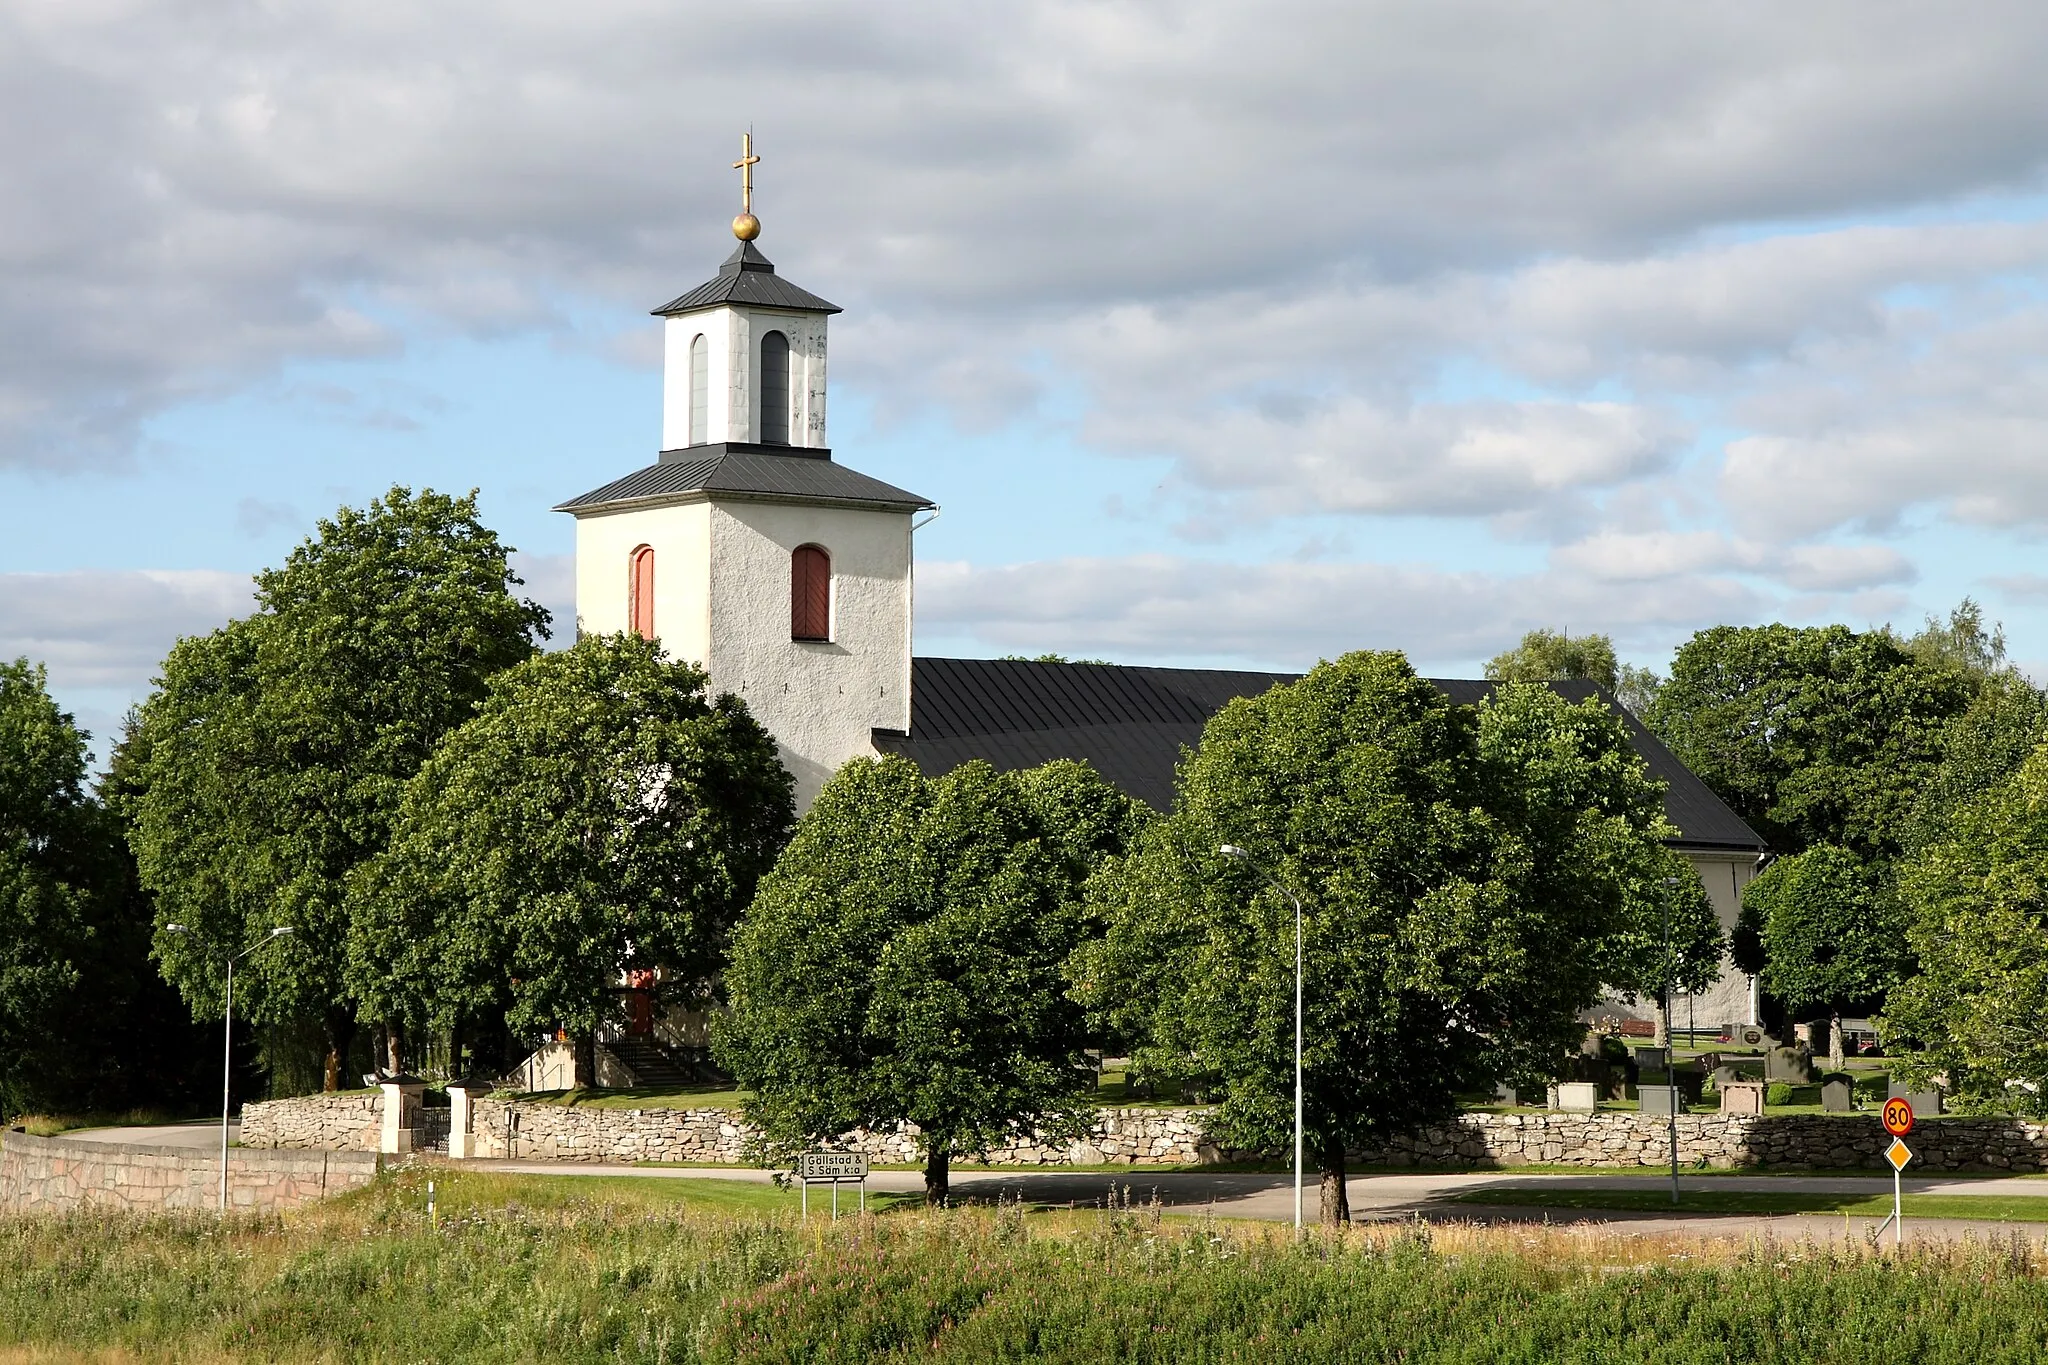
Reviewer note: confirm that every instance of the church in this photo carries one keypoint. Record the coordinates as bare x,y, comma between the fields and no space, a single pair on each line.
788,576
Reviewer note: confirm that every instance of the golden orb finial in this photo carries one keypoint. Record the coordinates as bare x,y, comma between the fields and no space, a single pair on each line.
746,227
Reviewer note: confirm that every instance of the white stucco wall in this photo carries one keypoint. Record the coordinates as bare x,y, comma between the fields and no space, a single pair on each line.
733,338
821,700
680,537
1728,1000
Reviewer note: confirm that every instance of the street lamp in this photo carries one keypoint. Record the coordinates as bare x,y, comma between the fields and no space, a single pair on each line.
1233,851
1670,1042
227,1046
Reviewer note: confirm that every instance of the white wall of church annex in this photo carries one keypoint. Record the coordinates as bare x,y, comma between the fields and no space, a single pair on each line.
733,335
1729,1000
821,700
680,536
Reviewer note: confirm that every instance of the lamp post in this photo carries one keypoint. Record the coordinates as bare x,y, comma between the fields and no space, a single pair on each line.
1233,851
1670,1043
227,1043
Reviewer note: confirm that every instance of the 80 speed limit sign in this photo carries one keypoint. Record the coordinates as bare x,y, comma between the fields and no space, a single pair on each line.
1898,1117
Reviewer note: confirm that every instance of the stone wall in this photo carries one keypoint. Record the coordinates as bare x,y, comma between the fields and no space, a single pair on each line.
60,1175
1832,1141
328,1123
552,1132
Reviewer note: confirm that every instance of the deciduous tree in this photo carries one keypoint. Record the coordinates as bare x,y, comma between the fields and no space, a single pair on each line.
268,764
1472,879
904,961
599,814
1832,932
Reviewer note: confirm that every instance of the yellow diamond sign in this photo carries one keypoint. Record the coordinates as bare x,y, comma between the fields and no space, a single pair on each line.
1898,1154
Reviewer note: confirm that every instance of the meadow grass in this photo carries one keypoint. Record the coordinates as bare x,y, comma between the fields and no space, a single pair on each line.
1999,1208
573,1270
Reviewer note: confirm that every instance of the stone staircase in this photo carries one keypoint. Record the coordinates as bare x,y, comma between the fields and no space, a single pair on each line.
650,1064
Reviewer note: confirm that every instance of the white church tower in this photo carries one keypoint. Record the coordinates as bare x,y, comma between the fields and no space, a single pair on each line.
745,548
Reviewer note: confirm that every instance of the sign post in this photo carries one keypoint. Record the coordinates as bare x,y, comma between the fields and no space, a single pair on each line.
834,1169
1898,1121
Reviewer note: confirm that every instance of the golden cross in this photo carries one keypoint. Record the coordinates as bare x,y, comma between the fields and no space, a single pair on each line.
745,166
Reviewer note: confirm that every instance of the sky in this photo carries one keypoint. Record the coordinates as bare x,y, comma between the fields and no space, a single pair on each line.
1223,334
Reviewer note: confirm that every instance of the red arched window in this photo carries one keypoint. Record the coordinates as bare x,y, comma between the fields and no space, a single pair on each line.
640,593
810,594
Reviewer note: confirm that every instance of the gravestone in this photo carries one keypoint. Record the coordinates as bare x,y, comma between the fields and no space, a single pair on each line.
1926,1103
1653,1058
1742,1097
1838,1095
1578,1096
1505,1094
1792,1065
1657,1099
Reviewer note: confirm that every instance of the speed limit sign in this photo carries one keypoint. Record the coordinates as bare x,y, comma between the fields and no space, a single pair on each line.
1898,1117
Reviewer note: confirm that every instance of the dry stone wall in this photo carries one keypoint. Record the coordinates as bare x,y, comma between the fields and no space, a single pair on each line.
1178,1137
551,1132
328,1123
61,1175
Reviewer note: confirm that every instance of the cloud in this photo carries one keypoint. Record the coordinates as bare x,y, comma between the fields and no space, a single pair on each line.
1164,608
1644,556
109,630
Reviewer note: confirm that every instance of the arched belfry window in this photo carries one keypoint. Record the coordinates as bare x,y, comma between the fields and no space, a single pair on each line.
810,594
775,389
640,593
700,390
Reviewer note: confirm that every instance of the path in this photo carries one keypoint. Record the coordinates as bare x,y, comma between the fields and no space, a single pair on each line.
1270,1196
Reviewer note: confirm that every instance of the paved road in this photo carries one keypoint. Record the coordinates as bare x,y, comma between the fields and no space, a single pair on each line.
197,1133
1271,1196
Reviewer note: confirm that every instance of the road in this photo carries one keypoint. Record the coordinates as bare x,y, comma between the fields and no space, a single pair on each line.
1269,1196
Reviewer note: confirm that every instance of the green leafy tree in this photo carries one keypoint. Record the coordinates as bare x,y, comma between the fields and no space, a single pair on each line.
1832,931
1977,902
1553,656
904,961
268,765
1963,641
1982,749
48,876
599,814
1813,736
1471,878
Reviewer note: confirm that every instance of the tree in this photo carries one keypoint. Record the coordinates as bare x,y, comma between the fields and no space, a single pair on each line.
1832,932
1553,656
1962,641
598,815
1813,736
904,962
1982,749
47,874
268,764
1471,877
1977,902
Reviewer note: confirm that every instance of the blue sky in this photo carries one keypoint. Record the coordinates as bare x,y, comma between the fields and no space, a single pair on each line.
1221,337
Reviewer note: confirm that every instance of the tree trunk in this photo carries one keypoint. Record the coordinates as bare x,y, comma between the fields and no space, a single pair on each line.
938,1173
394,1047
583,1050
1835,1059
1662,1037
341,1031
1336,1197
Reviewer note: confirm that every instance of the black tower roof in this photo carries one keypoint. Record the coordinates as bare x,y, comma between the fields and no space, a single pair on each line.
747,277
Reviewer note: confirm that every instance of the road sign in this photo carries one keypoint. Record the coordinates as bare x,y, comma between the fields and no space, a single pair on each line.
1898,1154
1898,1117
831,1166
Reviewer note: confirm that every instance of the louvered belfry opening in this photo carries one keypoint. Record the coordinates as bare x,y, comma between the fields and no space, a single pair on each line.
775,389
810,594
641,592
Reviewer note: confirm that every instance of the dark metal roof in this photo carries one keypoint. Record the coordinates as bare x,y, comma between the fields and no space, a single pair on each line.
1131,725
807,475
747,277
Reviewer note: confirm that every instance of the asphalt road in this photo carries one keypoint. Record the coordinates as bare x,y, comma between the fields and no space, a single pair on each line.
1374,1198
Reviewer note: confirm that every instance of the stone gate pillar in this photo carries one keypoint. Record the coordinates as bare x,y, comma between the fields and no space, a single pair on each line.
404,1096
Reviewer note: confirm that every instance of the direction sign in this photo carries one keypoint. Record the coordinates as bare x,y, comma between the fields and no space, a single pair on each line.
831,1166
1898,1154
1898,1117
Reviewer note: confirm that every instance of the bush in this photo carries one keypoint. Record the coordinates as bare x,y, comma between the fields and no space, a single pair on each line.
1778,1092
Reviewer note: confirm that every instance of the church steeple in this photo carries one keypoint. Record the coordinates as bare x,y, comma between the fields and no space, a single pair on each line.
745,350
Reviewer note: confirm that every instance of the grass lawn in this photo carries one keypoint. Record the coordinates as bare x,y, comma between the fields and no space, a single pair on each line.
571,1270
468,1193
2004,1209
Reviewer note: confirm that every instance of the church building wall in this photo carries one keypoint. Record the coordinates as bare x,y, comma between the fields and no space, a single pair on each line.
733,336
680,537
820,699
